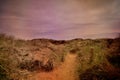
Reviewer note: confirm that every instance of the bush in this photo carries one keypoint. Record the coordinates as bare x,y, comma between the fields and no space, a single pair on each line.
3,74
114,60
37,65
98,73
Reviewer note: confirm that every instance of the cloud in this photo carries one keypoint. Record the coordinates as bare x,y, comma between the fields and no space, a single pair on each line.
59,18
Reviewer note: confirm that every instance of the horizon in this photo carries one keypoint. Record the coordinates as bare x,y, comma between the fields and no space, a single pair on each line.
60,19
92,37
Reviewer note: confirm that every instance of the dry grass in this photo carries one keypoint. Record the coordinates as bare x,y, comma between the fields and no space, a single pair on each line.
59,60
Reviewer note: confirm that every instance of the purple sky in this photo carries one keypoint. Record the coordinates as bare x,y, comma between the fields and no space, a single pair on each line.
59,19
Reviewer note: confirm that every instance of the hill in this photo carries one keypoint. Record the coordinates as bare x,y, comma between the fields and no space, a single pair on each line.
47,59
102,35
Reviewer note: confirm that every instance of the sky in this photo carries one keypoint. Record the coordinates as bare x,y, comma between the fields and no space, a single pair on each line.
59,19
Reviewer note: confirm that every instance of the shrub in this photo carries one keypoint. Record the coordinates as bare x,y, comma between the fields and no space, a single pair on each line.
37,65
3,74
98,73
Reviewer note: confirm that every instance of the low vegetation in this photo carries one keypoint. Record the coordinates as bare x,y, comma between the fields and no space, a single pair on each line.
96,59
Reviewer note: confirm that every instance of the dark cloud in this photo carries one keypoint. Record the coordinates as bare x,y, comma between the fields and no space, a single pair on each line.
10,7
2,3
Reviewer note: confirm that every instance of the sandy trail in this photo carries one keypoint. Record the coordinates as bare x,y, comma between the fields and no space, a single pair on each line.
64,72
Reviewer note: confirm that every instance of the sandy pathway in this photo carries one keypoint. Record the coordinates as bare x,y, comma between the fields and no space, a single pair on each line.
63,72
